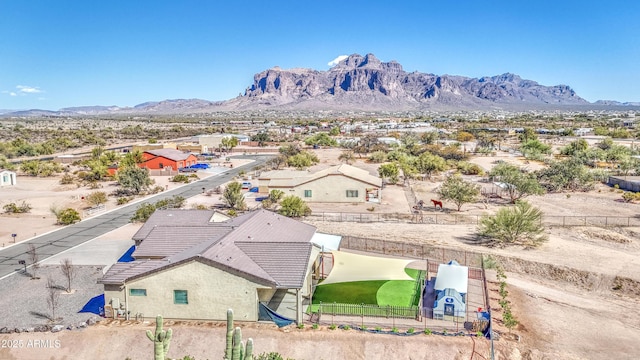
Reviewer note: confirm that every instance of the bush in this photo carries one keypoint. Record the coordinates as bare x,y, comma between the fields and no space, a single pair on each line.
628,196
123,200
180,178
300,326
411,331
427,331
12,208
314,326
332,327
346,327
67,179
67,216
521,225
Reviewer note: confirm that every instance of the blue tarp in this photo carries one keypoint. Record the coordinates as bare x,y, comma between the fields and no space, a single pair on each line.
280,320
126,257
95,305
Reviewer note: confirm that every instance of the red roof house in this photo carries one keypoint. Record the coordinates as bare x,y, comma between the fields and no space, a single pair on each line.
167,158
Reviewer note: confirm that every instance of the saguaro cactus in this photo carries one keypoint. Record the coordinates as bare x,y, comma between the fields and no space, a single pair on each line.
235,349
161,339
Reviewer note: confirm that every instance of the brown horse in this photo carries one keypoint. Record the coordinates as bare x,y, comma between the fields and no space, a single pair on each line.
436,203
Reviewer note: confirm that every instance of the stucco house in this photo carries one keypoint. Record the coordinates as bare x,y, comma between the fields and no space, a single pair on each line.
190,266
339,183
7,178
167,158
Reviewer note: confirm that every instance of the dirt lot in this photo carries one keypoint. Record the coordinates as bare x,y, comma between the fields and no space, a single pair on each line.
576,297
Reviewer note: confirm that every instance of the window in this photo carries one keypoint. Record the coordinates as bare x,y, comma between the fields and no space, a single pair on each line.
161,165
307,193
180,297
352,193
138,292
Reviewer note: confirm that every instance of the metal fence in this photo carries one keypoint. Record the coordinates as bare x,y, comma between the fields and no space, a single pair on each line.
460,219
369,310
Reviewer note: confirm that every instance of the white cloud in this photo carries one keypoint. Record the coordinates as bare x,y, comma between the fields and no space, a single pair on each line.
13,94
22,89
335,61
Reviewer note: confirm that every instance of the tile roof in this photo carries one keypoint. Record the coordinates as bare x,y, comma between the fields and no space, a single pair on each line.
174,217
261,244
293,178
285,261
171,154
165,241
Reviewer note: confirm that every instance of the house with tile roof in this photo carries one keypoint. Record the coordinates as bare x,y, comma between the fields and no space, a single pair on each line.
167,158
188,266
340,183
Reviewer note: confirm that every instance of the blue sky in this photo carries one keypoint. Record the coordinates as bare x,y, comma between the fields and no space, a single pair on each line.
64,53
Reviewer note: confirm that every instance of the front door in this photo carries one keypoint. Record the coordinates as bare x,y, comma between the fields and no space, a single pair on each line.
449,309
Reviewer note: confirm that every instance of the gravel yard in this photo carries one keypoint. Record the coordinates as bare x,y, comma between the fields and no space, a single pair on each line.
23,301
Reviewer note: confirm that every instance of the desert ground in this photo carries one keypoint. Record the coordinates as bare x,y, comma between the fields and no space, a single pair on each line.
576,297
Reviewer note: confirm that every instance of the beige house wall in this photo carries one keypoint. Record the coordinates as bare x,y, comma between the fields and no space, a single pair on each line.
212,142
211,292
331,188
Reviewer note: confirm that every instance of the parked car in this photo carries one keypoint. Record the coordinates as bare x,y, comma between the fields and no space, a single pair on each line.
188,170
246,185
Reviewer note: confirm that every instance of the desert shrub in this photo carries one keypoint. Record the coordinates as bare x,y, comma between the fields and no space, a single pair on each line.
156,189
294,206
180,178
96,198
520,225
468,168
629,196
67,179
67,216
332,327
411,331
123,200
143,212
428,331
270,356
199,206
13,208
314,326
378,157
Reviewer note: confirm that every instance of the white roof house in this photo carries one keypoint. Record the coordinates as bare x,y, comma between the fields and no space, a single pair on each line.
452,276
7,177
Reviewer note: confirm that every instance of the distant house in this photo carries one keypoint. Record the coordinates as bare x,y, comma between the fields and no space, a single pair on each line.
340,183
188,266
167,158
452,282
7,178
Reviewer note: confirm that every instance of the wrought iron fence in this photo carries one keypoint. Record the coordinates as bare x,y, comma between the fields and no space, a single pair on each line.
368,310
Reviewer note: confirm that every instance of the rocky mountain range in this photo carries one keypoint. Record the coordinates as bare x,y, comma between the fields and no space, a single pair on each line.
367,84
363,82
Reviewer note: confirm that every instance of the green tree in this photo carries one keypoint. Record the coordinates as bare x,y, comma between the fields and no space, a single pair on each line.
528,134
289,150
132,159
261,137
518,184
458,191
518,225
5,164
302,160
134,179
389,171
429,137
229,142
575,147
428,163
143,213
563,175
335,131
321,139
232,196
294,206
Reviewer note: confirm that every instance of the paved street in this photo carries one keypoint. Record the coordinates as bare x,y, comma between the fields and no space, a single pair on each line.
55,242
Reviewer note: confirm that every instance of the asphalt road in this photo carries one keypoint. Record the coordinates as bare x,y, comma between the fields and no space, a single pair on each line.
58,241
